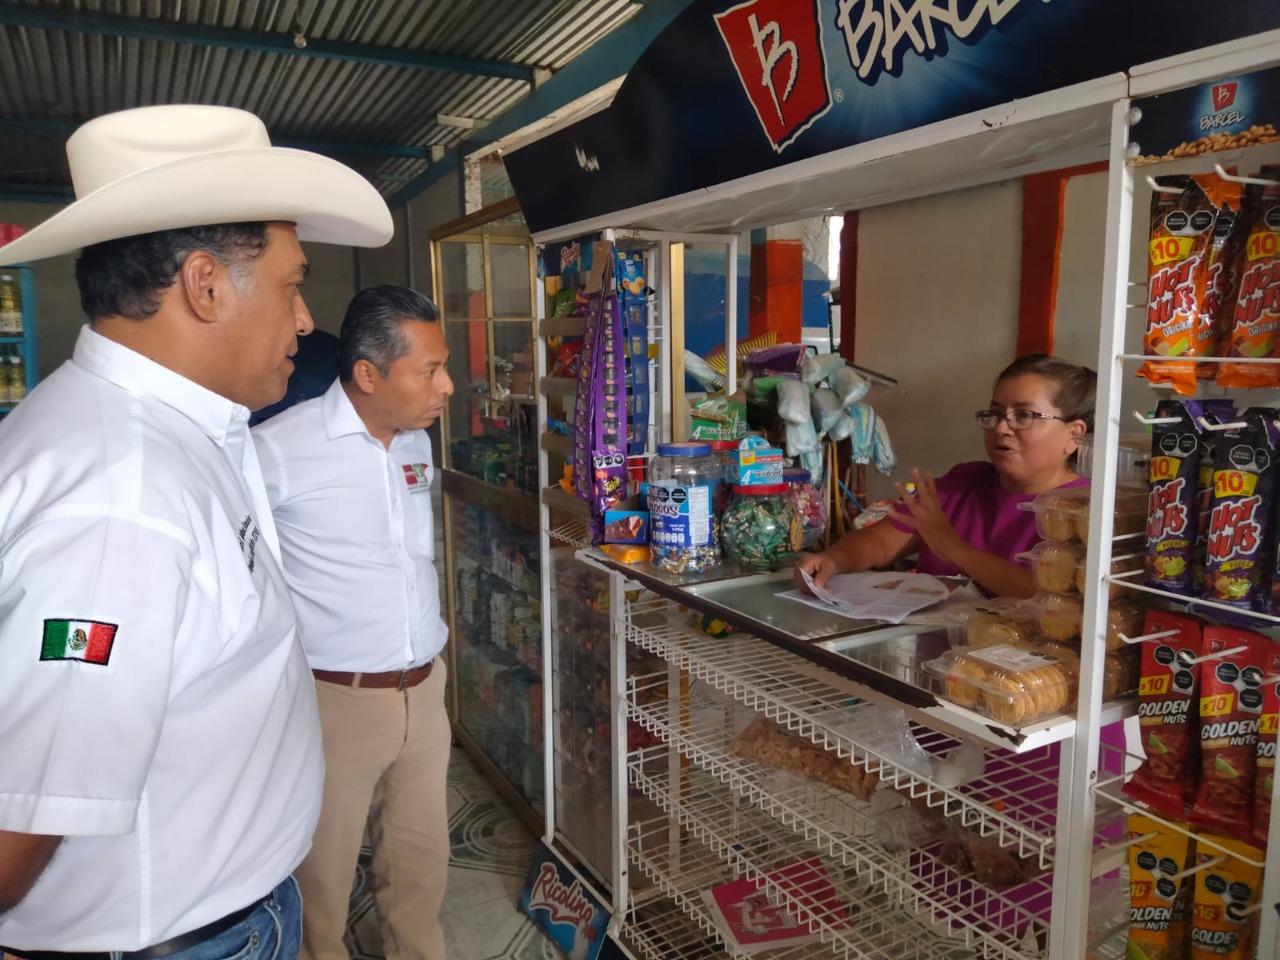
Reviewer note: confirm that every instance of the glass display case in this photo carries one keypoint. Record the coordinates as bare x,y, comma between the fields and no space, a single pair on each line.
483,271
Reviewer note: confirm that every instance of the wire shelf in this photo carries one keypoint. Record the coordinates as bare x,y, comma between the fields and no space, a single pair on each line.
1015,798
1110,790
687,932
722,840
1194,604
844,829
575,533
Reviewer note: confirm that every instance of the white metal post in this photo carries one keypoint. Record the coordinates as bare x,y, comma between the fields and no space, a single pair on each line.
618,768
1069,931
544,552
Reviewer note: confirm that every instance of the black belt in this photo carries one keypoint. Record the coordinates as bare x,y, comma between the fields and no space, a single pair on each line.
184,941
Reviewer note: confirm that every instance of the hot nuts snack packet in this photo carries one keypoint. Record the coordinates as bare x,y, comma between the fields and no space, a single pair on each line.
1230,711
1179,255
1167,699
1255,321
1239,547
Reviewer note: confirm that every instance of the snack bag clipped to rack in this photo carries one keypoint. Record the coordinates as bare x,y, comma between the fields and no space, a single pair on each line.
1268,725
1239,552
1254,330
1230,711
1167,699
1224,921
1157,902
1216,411
1178,266
1171,496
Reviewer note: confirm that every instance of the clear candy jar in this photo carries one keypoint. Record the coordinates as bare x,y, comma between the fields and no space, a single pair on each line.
682,530
760,528
720,449
809,504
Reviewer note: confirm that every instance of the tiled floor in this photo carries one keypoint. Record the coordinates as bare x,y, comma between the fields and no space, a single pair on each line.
491,855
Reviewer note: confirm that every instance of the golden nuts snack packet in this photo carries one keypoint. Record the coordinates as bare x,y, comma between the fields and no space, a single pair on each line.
1157,901
1268,725
1224,921
1168,688
1230,711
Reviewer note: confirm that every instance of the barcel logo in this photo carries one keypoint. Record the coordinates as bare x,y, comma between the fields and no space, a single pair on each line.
1225,113
878,32
777,52
776,49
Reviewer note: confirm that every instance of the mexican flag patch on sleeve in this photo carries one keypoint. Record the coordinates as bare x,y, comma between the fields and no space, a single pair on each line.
87,640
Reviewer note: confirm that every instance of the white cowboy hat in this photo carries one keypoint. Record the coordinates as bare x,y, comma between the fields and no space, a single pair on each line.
165,167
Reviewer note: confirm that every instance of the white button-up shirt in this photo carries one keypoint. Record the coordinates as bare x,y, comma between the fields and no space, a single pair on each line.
357,535
155,705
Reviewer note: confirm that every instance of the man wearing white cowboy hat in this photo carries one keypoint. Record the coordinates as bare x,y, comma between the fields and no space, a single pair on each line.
160,764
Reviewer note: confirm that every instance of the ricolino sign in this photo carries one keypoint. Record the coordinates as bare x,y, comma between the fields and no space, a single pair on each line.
735,88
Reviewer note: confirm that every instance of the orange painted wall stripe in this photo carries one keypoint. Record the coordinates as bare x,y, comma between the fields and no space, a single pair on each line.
776,289
1043,196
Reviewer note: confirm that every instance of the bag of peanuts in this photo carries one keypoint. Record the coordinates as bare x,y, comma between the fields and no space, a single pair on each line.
1230,711
1167,691
1254,330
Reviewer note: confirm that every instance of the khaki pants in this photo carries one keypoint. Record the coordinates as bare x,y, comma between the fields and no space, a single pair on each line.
386,756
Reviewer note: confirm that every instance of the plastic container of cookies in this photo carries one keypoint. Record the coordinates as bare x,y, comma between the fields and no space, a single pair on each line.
1060,616
1063,515
1133,457
994,621
1120,563
1013,684
1054,564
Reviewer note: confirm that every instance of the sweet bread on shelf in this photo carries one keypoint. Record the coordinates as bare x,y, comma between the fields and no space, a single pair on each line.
765,742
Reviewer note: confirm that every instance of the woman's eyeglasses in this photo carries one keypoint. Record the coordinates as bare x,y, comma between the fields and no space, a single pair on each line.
1017,419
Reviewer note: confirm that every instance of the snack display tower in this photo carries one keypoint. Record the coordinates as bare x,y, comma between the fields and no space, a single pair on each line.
719,817
483,282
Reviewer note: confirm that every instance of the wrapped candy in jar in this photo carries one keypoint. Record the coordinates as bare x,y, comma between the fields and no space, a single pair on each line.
682,523
808,503
760,527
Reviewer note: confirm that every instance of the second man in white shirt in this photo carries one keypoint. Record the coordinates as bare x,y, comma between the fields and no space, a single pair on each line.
349,478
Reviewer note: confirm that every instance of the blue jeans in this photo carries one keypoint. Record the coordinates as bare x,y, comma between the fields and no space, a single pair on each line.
271,932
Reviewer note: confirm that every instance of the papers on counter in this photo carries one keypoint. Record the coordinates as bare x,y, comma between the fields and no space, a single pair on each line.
890,597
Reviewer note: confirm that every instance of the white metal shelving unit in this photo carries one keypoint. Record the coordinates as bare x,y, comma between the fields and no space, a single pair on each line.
725,817
1094,793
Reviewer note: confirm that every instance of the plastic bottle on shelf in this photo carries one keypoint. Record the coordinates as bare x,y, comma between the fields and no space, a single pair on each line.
10,306
17,377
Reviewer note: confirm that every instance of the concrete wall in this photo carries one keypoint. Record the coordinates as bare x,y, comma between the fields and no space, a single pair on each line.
938,283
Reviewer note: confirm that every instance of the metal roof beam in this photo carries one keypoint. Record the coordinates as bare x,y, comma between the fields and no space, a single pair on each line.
56,128
166,31
608,58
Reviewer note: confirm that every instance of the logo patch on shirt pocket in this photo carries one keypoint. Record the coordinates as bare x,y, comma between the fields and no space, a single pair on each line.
417,477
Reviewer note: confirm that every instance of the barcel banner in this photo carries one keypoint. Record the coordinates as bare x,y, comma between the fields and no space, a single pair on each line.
735,88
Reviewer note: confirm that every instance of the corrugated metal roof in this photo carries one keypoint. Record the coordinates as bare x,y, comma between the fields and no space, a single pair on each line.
54,78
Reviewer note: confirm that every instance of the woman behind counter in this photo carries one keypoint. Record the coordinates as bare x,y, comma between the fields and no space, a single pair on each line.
967,522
